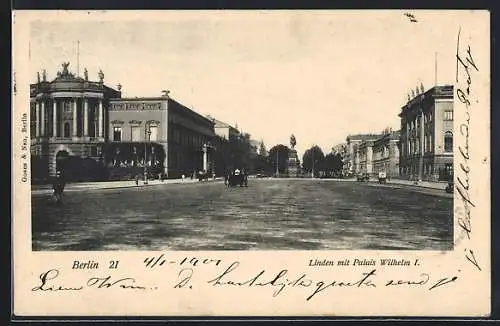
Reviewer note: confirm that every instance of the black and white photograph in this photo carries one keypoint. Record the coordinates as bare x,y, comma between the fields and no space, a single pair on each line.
251,163
229,132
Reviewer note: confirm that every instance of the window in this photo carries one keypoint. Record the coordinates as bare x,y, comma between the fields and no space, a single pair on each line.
448,141
154,133
66,130
117,133
135,133
67,107
448,115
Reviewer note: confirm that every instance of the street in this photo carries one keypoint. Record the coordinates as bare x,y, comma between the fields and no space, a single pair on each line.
268,215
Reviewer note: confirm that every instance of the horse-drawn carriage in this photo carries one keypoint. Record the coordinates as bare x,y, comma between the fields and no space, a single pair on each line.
236,178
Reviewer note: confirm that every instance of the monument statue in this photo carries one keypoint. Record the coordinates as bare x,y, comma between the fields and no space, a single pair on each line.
44,75
65,68
293,159
293,141
101,76
85,74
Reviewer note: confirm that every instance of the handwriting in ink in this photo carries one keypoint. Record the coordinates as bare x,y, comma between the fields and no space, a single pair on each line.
281,280
443,281
468,66
107,282
47,285
424,279
472,258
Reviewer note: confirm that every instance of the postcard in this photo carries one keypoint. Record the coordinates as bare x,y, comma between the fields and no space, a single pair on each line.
251,163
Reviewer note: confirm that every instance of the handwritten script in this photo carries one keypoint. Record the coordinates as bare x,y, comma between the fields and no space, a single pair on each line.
466,67
230,275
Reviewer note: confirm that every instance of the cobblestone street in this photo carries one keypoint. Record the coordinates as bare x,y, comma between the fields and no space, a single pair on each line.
268,215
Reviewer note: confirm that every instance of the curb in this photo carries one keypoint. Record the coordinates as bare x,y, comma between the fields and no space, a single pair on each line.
409,185
133,185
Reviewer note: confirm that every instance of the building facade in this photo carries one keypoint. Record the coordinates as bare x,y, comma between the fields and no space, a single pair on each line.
365,157
352,154
426,138
386,154
224,130
184,136
68,119
84,127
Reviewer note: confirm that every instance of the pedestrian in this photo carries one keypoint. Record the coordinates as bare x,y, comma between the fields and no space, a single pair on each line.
58,186
137,179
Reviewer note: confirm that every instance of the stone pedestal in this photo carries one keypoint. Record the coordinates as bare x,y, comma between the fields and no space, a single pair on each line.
293,163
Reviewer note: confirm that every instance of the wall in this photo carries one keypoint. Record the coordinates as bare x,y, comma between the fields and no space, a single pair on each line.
441,126
130,115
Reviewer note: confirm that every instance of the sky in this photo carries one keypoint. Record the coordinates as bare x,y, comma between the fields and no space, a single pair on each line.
320,75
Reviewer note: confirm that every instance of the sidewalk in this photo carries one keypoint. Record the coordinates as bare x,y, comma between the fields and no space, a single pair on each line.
421,184
79,186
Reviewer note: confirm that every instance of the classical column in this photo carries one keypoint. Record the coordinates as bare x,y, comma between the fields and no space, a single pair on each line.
75,117
101,119
54,119
421,145
85,117
205,158
37,113
42,129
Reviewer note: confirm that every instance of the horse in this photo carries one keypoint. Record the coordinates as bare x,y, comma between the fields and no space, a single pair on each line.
237,179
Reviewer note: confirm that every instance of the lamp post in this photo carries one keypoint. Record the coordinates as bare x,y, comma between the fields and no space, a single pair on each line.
312,169
148,133
277,162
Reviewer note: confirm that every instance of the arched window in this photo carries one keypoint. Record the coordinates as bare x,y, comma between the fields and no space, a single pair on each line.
448,141
66,130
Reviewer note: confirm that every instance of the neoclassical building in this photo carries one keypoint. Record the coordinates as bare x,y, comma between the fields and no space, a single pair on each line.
386,154
183,138
358,153
427,135
68,118
87,129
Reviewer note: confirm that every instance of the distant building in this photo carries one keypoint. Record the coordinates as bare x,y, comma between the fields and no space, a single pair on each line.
223,129
386,154
426,138
353,160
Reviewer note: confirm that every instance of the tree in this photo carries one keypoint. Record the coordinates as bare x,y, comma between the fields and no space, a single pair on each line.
278,156
333,164
262,149
313,159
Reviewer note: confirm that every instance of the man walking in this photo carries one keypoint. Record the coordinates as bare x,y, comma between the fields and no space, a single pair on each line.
58,186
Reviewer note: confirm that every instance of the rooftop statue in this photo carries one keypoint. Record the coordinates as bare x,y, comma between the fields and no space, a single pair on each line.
85,74
293,141
44,75
65,68
38,76
101,75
